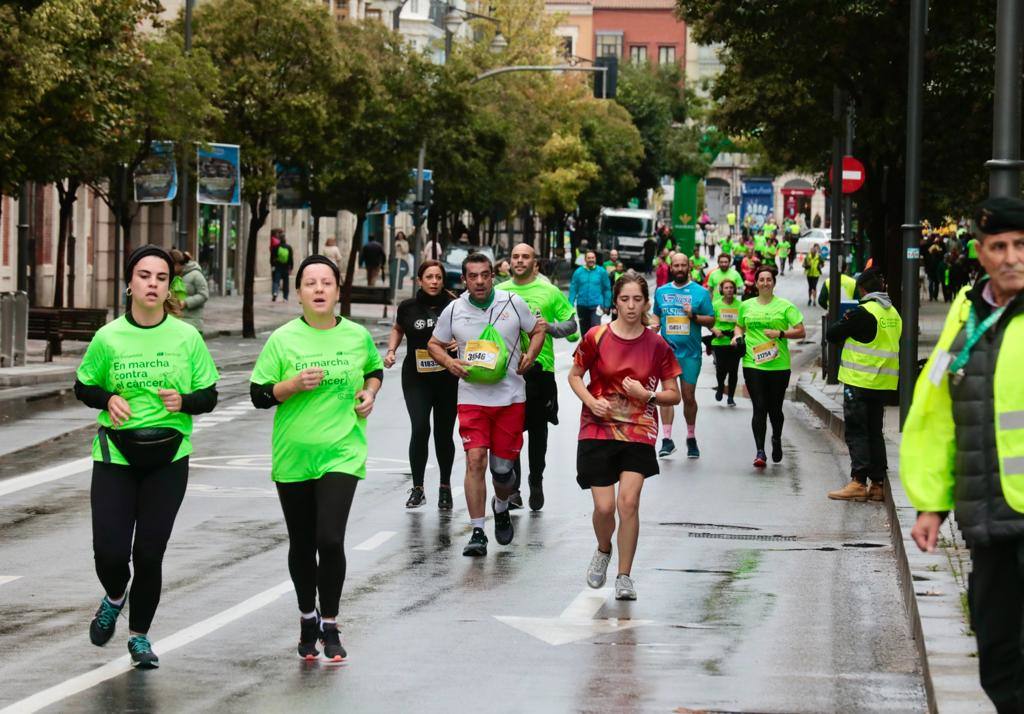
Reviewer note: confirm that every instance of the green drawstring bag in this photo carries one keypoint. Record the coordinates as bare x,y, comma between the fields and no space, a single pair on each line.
487,356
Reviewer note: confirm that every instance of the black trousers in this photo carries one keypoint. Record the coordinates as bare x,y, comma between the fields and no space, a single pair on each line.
727,367
132,518
426,393
587,318
864,413
541,408
996,597
316,514
767,393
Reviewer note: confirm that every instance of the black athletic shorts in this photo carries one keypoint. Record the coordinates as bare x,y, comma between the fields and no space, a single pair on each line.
600,461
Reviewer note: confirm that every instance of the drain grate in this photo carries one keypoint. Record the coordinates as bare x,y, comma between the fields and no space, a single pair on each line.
743,536
721,526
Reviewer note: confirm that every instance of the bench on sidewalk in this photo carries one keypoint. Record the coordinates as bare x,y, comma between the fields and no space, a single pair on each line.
365,295
55,324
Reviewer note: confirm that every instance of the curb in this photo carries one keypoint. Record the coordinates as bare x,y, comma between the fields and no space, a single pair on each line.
929,583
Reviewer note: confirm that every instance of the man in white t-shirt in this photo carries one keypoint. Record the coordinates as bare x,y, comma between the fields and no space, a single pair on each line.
491,416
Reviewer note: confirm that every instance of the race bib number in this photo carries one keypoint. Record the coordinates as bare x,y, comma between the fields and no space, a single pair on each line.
482,353
677,325
729,314
766,352
425,363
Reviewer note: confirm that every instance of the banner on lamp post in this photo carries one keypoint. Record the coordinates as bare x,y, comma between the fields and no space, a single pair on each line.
289,192
156,178
218,180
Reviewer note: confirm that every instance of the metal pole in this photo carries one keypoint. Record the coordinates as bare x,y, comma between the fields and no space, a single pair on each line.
848,201
183,182
911,228
417,216
117,247
1004,168
24,216
835,244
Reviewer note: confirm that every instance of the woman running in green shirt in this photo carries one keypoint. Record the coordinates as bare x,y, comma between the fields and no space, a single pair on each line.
812,269
322,372
148,373
727,355
766,324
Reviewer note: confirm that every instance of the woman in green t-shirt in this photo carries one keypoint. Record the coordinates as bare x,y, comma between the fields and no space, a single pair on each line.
766,324
322,372
812,269
148,373
727,355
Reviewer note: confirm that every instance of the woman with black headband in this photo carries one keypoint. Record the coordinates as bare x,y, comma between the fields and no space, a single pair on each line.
148,373
322,372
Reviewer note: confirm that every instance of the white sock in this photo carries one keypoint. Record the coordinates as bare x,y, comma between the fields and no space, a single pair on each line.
499,505
116,603
308,615
477,522
666,431
329,621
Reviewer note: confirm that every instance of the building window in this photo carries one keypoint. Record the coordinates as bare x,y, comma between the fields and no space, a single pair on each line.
638,54
609,45
667,55
567,48
414,7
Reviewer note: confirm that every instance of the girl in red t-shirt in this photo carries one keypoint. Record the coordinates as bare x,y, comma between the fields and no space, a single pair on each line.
619,422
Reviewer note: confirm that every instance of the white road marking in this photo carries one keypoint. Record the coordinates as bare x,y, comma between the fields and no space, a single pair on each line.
121,665
375,541
54,473
576,621
4,579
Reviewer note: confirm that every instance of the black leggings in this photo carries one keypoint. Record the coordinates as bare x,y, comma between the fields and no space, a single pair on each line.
727,367
126,502
767,391
812,285
316,513
541,409
423,393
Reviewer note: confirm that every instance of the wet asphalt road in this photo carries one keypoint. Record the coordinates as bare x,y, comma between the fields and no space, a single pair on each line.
756,594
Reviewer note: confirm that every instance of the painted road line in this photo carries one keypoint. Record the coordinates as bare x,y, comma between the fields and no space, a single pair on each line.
576,621
119,666
53,473
375,541
4,579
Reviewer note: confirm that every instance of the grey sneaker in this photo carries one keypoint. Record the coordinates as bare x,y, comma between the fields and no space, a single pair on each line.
597,573
624,588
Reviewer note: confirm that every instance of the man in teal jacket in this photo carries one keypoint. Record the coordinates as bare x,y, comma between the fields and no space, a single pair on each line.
590,289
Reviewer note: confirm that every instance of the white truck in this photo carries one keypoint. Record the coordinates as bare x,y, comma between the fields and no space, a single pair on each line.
627,230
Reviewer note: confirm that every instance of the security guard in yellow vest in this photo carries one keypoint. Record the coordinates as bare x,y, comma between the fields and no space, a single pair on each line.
963,446
847,283
869,370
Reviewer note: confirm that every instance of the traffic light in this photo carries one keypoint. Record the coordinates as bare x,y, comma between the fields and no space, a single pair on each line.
605,88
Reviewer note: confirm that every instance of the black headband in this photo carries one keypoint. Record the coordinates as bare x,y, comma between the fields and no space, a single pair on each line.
314,260
141,252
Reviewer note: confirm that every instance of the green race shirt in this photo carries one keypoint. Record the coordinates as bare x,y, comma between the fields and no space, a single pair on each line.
726,315
318,431
755,318
550,303
134,362
784,249
716,277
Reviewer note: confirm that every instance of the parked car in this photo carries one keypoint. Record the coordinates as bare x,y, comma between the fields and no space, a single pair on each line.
452,259
815,236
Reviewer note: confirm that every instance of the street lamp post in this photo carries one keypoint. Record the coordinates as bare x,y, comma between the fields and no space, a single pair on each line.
835,244
183,204
1005,166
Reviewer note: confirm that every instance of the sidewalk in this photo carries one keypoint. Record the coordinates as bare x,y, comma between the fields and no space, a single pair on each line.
934,585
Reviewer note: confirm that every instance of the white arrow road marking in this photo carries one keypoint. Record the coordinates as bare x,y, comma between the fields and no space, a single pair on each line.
53,473
575,623
375,541
4,579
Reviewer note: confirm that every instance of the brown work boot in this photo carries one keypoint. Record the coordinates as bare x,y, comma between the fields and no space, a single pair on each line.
876,491
853,491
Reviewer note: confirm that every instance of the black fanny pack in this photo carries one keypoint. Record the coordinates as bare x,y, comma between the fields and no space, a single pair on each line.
145,449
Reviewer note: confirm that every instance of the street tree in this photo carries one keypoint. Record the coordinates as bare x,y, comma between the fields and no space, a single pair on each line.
276,60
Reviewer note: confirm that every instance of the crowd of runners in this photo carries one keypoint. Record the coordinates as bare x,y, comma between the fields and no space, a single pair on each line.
484,361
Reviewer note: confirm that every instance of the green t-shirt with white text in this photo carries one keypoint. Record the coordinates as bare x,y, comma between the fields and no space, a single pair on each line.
134,362
762,352
550,303
318,431
726,315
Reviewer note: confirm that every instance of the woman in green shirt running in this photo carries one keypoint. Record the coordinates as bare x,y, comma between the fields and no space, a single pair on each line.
812,269
766,324
148,373
322,372
727,355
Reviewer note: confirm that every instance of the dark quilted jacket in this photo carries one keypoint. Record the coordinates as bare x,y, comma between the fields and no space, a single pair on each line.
981,511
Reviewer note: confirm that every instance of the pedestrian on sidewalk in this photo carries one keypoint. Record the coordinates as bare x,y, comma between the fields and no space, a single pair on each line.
195,289
963,446
869,368
332,251
432,250
373,257
282,261
590,289
148,373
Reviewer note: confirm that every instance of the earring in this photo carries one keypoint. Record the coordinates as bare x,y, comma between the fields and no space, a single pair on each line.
128,291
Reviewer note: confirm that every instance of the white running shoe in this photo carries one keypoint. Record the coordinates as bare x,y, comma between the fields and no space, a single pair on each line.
597,573
624,588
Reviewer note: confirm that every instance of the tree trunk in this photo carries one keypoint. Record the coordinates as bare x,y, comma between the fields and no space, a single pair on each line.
316,231
66,195
350,266
259,207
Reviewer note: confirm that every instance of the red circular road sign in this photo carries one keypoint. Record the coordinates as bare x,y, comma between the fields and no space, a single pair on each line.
853,174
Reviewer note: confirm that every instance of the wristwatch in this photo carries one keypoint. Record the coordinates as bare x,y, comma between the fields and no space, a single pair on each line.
651,399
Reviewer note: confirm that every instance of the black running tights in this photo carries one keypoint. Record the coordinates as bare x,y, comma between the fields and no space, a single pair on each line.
727,367
425,393
316,514
767,391
127,503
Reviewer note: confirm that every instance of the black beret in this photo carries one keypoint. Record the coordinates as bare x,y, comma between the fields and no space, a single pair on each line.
141,252
1000,215
317,259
